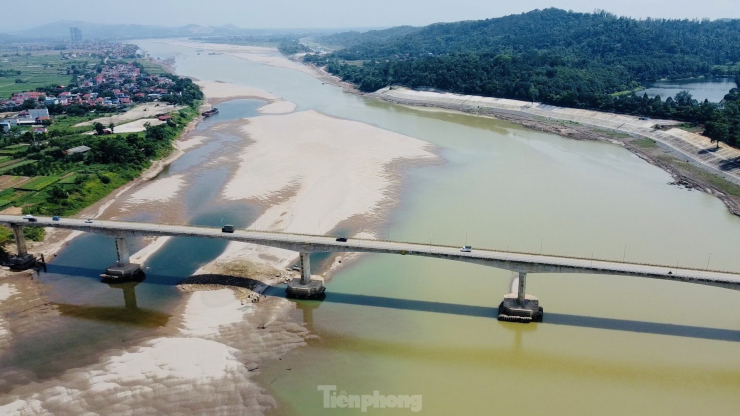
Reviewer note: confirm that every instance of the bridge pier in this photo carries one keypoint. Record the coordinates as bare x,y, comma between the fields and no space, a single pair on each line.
520,307
22,260
305,286
122,269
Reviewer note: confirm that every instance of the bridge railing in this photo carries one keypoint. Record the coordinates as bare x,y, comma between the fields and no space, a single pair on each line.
416,243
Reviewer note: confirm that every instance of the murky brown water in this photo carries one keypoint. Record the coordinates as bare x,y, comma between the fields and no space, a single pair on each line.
410,326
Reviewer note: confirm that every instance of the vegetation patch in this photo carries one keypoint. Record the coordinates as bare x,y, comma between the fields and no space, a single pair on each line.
644,143
9,162
691,127
68,179
16,165
613,134
38,183
11,152
716,181
31,70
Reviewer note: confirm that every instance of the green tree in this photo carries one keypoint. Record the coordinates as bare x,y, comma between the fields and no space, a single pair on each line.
29,104
98,128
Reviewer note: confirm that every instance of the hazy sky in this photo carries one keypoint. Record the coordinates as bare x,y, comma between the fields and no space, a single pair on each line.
340,13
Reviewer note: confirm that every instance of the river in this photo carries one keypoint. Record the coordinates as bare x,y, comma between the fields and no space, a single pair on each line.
713,90
413,326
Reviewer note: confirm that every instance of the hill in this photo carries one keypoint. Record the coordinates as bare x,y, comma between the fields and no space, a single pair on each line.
649,49
345,39
581,60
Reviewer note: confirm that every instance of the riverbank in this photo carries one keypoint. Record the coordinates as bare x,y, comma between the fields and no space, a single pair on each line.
691,159
304,195
57,239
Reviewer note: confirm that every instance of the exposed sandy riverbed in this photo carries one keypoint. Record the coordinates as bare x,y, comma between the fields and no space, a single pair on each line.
211,352
278,107
339,171
259,54
217,91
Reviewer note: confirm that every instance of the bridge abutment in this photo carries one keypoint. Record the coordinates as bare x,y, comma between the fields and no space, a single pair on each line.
122,269
306,286
520,307
22,260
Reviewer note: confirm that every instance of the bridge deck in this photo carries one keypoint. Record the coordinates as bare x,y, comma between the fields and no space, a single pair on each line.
524,262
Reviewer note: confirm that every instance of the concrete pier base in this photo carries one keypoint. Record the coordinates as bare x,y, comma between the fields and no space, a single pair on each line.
21,262
512,310
122,270
313,289
130,272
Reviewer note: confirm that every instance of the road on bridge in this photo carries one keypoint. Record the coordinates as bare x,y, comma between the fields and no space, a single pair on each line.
515,261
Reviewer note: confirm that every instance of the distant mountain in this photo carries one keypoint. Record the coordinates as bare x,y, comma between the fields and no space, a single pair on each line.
4,38
60,30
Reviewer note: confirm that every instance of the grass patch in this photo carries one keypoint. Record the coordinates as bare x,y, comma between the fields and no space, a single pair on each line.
717,181
38,183
49,150
11,152
68,179
691,128
644,143
38,69
10,162
15,165
556,121
613,134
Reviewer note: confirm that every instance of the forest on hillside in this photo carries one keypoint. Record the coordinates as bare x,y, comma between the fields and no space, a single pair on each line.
345,39
581,60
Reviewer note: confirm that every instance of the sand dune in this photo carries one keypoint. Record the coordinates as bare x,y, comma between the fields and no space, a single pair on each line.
160,190
221,91
337,170
278,107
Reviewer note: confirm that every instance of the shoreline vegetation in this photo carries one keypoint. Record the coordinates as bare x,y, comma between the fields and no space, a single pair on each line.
56,181
591,61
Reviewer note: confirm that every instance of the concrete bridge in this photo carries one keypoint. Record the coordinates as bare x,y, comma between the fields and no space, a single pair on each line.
516,306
